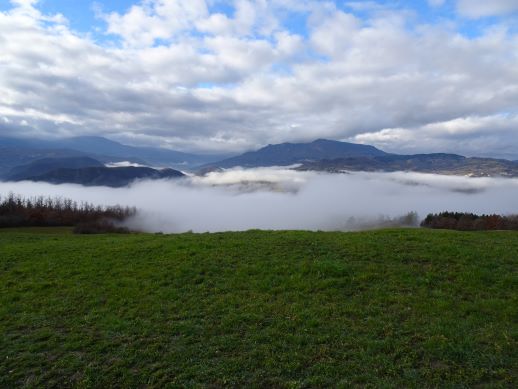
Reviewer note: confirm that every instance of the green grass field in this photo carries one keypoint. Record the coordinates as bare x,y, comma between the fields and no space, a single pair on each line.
390,308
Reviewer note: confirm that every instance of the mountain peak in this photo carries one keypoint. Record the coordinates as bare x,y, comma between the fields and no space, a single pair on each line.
322,140
92,138
284,154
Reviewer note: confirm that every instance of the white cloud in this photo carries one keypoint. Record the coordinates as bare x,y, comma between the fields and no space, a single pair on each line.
189,78
436,3
472,136
156,19
24,3
334,35
481,8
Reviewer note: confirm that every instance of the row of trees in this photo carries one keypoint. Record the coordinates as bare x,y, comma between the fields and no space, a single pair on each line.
18,211
470,221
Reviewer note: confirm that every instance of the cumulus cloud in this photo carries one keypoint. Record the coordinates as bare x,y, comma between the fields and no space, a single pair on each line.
224,201
157,19
24,3
436,3
182,74
482,8
475,136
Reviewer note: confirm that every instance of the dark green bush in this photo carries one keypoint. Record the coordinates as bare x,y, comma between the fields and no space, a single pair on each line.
470,221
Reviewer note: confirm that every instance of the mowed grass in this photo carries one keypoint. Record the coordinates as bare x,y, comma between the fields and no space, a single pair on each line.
390,308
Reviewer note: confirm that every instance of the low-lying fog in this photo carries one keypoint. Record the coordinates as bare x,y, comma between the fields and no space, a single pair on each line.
271,198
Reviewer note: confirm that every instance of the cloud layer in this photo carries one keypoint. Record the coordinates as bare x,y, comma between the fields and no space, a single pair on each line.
482,8
282,199
186,74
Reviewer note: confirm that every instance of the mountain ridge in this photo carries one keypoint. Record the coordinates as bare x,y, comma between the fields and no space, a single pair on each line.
318,155
285,154
102,148
334,156
114,177
437,163
46,165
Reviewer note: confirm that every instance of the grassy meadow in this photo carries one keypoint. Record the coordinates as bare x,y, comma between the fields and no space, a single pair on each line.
388,308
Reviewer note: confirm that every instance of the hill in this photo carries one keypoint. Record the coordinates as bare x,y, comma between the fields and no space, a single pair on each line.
333,156
105,150
85,171
46,165
449,164
391,308
104,176
100,145
13,157
292,153
320,155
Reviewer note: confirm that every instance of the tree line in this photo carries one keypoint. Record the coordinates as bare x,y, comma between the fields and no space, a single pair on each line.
470,222
41,211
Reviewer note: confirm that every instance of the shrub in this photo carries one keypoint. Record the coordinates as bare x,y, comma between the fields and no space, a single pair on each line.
100,227
470,222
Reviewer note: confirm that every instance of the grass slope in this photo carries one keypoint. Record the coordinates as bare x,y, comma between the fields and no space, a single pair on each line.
261,309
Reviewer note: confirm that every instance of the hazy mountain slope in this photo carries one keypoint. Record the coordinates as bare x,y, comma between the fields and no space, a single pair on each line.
333,156
12,156
95,145
292,153
320,155
103,176
42,166
101,145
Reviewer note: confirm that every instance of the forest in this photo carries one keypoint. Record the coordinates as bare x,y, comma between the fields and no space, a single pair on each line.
18,211
470,222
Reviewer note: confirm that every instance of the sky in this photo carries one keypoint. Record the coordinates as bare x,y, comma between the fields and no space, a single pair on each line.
233,75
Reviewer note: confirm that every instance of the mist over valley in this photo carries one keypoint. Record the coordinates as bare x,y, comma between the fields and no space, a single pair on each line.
280,198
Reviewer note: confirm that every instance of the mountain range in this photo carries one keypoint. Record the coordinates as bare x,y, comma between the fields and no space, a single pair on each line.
83,160
85,171
16,151
446,164
333,156
103,176
40,167
285,154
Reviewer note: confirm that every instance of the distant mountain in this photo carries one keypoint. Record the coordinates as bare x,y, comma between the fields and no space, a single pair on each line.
333,156
104,176
46,165
449,164
99,145
68,160
12,156
292,153
96,146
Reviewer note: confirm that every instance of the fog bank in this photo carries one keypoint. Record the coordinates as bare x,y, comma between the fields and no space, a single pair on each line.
272,198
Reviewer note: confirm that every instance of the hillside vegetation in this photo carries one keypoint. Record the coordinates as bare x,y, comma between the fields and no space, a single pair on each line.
444,164
18,211
390,308
470,222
